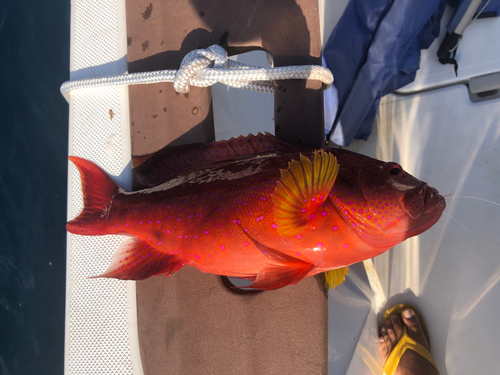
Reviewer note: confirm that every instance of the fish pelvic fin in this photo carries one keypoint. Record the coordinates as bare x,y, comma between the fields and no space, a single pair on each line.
284,269
277,276
135,259
334,278
98,192
303,187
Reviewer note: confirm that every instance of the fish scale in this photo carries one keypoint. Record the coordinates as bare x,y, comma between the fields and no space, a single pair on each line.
273,217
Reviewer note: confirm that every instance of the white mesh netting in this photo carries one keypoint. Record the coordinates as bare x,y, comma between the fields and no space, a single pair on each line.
97,337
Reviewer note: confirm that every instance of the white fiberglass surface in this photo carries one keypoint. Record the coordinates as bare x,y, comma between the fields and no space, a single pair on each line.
450,272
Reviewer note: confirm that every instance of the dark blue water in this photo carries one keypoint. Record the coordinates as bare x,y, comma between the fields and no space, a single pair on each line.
34,61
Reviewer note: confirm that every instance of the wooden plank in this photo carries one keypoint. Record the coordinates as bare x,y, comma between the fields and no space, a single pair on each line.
190,322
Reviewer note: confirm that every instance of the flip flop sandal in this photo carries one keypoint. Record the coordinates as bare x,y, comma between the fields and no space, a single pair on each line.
406,342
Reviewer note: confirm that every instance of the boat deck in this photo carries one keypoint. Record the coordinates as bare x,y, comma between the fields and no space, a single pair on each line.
450,273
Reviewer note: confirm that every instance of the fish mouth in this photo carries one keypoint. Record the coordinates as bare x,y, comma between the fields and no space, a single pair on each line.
433,200
433,207
421,201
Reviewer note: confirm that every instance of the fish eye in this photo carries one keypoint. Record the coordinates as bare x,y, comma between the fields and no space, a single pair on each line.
394,168
395,171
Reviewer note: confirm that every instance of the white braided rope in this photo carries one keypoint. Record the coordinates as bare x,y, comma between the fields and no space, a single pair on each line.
205,67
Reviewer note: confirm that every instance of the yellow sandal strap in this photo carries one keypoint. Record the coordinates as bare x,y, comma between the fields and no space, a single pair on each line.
406,342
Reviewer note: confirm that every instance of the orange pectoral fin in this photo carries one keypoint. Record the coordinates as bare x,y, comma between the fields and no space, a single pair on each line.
304,186
135,259
286,270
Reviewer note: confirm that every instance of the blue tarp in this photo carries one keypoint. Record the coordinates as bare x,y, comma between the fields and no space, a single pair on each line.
373,51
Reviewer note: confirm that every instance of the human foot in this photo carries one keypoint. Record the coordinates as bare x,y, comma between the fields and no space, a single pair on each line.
410,362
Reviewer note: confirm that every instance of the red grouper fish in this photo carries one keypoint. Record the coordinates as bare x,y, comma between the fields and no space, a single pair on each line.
254,208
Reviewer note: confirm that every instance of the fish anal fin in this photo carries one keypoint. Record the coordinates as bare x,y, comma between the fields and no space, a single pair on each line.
303,188
135,259
334,278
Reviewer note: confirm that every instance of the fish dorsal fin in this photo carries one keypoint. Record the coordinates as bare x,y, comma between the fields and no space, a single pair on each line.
304,186
334,278
171,161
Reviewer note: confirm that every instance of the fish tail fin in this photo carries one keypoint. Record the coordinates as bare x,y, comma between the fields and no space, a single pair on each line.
98,191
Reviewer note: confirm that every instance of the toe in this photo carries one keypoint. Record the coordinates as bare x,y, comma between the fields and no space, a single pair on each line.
386,337
384,349
385,344
390,331
397,325
410,319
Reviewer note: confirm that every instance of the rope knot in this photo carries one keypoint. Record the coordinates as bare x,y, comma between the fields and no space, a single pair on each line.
205,67
194,63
